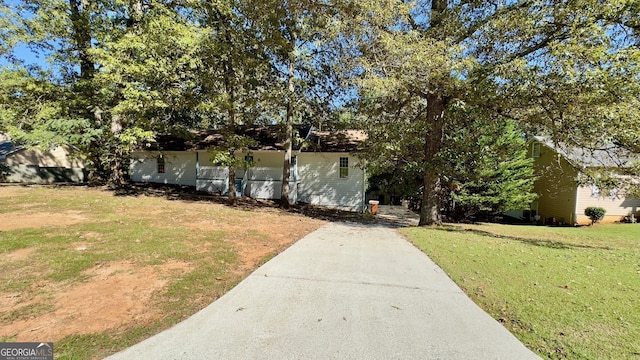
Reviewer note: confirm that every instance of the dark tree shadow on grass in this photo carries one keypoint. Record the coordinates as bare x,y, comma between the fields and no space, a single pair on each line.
529,241
189,193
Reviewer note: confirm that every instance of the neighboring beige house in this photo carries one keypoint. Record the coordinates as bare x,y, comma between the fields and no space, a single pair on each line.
561,199
32,165
324,169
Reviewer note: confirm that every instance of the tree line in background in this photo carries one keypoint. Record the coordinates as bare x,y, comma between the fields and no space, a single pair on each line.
444,89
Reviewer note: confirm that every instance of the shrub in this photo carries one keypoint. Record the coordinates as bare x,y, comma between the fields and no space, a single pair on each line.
595,213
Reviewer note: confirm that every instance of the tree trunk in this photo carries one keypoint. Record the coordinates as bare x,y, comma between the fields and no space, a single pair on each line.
430,211
82,37
232,199
286,167
229,86
97,174
87,108
116,164
436,104
116,173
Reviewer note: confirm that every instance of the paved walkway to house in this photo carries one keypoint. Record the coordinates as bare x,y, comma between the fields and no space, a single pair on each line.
397,215
345,291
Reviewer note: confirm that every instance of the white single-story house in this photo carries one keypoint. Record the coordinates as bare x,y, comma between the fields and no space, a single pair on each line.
57,164
562,198
324,169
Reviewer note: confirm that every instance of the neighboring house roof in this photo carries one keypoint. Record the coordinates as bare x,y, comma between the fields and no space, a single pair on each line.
604,156
7,148
267,138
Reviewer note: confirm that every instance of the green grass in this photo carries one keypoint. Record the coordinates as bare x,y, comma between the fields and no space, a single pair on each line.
564,292
142,231
32,310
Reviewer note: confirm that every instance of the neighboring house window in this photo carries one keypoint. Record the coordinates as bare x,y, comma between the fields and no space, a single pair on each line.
595,191
160,164
613,194
344,167
535,150
248,158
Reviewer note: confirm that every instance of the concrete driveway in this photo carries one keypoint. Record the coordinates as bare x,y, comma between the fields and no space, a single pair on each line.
345,291
396,215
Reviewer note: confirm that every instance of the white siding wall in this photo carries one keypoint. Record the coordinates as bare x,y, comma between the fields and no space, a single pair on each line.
180,168
272,159
617,205
321,184
261,159
264,183
266,189
260,182
264,180
214,179
318,182
211,178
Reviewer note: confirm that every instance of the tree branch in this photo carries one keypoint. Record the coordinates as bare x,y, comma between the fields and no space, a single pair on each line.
480,23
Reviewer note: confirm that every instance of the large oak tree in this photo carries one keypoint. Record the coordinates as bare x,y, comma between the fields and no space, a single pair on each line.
568,69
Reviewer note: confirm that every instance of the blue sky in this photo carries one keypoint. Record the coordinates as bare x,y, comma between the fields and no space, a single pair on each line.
22,52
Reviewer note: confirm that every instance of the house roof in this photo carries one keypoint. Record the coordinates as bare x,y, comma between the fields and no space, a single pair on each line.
265,138
604,156
337,141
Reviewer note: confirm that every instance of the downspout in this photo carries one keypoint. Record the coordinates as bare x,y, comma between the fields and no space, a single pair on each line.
197,167
574,215
245,178
364,187
294,191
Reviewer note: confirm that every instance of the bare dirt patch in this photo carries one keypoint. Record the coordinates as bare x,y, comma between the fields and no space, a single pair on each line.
26,220
116,293
19,255
254,239
254,246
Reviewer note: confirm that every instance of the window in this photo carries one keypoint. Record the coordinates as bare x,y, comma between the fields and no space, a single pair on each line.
535,150
595,191
160,164
344,167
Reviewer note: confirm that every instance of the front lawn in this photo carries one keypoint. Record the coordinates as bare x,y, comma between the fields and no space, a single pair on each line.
564,292
95,272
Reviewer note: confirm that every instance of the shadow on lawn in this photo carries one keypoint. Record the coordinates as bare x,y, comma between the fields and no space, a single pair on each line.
189,193
535,242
